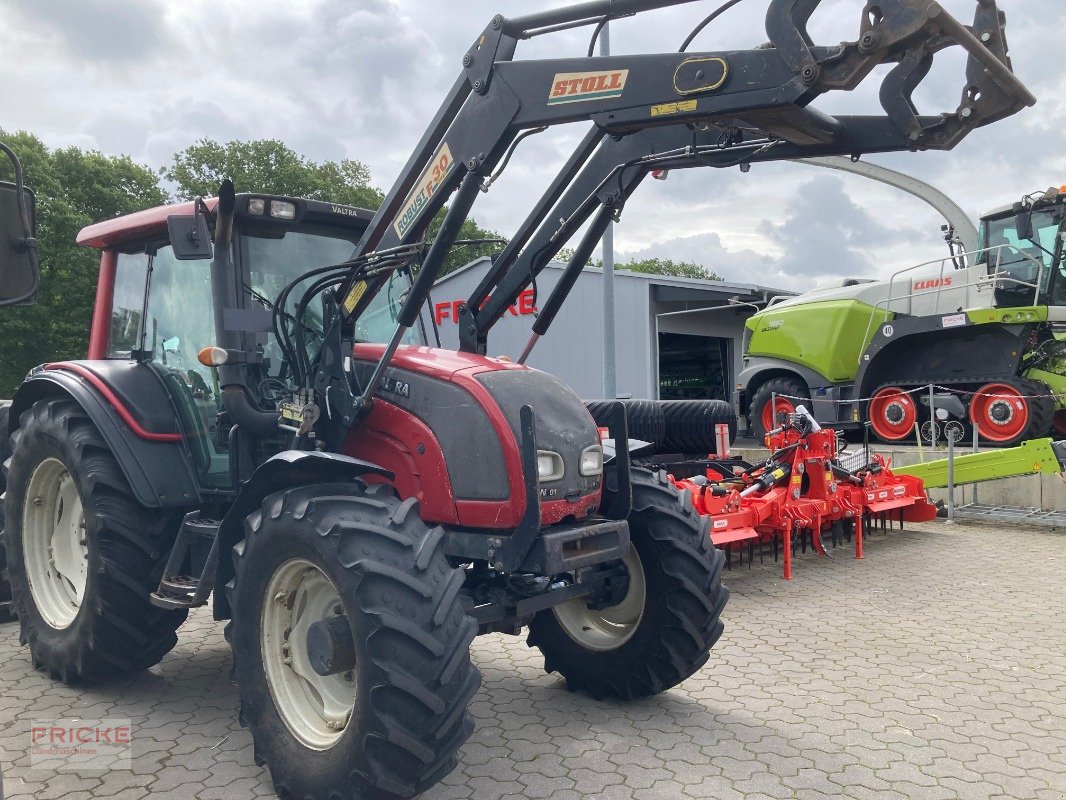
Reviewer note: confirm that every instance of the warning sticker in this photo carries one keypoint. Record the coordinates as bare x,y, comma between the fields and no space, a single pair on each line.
666,109
355,294
953,320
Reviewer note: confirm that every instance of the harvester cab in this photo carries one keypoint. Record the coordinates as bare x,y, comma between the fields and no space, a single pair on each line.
257,420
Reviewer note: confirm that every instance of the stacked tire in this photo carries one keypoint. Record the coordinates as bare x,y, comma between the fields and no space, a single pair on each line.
644,417
691,425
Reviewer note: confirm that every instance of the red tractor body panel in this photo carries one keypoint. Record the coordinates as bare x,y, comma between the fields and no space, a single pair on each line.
400,441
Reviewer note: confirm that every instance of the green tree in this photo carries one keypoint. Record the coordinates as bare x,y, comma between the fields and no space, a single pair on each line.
676,269
74,188
271,167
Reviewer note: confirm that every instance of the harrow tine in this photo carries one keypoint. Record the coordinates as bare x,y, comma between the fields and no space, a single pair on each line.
751,552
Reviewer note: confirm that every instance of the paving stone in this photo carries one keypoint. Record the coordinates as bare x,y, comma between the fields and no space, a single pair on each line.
930,670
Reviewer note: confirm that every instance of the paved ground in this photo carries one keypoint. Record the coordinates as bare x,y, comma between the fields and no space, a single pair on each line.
932,669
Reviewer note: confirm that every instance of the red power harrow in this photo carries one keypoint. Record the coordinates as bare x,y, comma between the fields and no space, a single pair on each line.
808,489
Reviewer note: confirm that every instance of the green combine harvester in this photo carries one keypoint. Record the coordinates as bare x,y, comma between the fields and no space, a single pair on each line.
985,329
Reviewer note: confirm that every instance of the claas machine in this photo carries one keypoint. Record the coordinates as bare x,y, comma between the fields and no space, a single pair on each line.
984,329
259,426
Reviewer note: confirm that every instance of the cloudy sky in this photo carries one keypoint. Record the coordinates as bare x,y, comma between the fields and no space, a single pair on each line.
360,78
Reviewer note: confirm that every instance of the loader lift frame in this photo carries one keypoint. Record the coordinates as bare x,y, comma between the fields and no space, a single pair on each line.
761,96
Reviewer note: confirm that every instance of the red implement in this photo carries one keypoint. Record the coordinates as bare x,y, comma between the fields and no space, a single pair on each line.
802,493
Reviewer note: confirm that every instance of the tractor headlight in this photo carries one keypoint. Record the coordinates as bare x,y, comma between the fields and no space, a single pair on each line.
257,206
592,460
280,209
549,465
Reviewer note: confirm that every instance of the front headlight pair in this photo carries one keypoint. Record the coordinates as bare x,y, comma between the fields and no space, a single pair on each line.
550,465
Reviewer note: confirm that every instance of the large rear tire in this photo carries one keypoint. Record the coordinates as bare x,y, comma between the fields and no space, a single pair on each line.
790,393
392,726
83,554
5,586
663,630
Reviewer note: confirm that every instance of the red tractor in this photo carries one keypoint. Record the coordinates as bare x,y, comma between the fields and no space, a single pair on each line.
259,424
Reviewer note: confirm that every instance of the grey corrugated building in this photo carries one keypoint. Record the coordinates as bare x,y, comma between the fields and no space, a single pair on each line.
676,337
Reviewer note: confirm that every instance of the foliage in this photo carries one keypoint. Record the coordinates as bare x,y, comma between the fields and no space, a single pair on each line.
655,266
74,188
271,167
667,266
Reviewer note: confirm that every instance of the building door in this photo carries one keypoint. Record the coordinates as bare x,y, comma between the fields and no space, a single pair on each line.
693,367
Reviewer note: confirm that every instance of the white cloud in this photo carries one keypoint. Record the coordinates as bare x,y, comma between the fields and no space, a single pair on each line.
360,80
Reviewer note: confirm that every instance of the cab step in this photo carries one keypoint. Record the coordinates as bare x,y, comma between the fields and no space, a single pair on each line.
195,546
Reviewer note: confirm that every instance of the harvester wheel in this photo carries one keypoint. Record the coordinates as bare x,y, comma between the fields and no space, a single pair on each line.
892,414
1012,411
763,418
663,629
347,579
83,554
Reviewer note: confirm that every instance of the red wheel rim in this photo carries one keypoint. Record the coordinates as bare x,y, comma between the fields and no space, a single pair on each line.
1058,422
1000,412
892,413
769,418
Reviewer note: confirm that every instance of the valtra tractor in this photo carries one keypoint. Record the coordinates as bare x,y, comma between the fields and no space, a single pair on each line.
258,424
985,329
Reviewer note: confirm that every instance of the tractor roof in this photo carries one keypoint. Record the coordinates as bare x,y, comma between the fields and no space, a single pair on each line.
152,223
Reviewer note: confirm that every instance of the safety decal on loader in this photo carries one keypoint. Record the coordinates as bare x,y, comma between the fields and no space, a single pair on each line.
577,87
428,184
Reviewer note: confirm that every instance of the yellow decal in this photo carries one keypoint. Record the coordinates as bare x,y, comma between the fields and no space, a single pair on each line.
665,109
432,179
576,87
291,411
355,294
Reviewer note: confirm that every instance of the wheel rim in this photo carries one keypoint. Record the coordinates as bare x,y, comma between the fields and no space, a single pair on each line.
315,708
892,413
1000,412
607,628
769,417
55,546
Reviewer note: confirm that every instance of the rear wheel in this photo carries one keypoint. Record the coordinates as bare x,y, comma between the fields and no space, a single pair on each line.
664,628
790,392
83,554
1012,411
892,414
5,586
356,560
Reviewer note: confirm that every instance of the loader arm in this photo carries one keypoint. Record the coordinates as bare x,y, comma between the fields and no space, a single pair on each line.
767,90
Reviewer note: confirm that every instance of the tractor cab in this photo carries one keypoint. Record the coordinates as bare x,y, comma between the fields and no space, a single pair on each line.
1023,243
159,308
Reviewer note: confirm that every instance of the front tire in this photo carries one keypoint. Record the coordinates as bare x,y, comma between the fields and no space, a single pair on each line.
392,726
790,393
83,554
663,630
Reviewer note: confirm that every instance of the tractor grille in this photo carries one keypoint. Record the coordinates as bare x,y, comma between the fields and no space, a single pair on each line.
563,424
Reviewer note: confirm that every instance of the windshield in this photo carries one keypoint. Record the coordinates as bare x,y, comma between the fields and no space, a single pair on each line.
1023,260
273,262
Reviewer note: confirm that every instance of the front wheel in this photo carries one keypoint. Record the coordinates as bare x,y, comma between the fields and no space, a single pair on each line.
765,415
347,580
663,629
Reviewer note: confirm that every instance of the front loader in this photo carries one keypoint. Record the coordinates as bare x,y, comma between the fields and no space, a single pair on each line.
259,426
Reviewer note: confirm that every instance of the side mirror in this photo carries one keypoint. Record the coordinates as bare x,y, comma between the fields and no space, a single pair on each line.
1023,222
19,276
190,238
